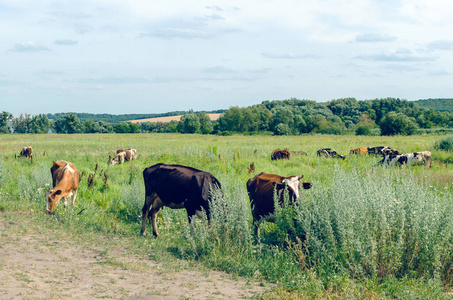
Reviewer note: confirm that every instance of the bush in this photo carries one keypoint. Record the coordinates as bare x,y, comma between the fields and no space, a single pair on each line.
363,130
445,144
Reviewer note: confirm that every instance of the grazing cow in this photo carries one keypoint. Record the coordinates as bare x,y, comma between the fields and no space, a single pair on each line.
389,151
361,150
376,150
280,154
65,181
176,186
26,151
328,152
124,155
299,152
261,193
409,159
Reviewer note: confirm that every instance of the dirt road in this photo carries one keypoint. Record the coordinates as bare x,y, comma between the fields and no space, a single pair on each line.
38,262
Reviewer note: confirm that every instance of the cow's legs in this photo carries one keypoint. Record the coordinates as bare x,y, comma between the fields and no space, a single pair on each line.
145,211
157,204
151,207
74,195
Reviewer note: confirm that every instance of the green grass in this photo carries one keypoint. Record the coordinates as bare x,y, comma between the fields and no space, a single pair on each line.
362,230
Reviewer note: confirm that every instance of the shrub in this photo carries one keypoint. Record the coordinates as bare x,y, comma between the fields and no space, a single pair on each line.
363,130
445,144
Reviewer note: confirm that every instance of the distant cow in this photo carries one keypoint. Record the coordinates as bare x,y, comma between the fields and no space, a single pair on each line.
299,152
389,151
65,181
280,154
409,159
328,152
26,151
176,186
261,193
361,150
124,155
376,150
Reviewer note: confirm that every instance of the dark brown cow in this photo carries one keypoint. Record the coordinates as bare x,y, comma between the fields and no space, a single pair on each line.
26,151
261,193
65,182
280,154
176,186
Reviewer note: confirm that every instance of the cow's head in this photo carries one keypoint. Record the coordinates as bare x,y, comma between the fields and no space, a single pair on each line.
114,161
52,200
294,183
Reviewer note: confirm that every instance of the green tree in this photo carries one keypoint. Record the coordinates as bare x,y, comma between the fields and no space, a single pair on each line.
39,124
189,123
282,129
122,127
70,123
397,123
21,123
205,123
4,118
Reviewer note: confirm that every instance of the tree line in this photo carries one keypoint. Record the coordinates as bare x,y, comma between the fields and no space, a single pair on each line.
388,116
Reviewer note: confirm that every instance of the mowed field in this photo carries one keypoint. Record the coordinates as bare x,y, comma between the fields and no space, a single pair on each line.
362,229
213,117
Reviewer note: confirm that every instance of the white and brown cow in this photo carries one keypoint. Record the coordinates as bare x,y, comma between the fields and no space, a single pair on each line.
65,181
26,151
261,189
408,159
124,155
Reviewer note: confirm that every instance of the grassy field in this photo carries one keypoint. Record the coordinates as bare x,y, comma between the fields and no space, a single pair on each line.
370,231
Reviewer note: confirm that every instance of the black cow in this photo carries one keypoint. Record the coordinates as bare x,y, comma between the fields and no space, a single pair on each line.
377,149
328,152
261,193
176,186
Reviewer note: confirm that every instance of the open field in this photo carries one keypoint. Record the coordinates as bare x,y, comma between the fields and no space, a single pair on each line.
371,232
213,117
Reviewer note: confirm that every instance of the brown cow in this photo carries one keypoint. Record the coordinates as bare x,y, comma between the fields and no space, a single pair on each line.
26,151
65,181
361,150
280,154
261,190
126,155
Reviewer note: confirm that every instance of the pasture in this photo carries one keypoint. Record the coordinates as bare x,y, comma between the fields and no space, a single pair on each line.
362,229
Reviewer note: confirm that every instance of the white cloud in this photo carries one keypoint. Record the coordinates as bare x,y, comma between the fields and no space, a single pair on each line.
28,47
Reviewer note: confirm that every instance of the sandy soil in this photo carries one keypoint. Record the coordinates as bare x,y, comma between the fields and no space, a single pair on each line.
43,263
170,118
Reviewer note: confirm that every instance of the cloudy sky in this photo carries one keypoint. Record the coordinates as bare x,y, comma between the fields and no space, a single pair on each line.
154,56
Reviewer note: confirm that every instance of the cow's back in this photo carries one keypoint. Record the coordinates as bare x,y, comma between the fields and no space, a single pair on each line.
176,183
58,170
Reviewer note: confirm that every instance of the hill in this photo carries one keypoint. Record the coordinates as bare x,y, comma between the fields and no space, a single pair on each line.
114,119
439,104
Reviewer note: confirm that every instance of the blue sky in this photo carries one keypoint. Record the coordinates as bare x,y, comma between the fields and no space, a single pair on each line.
156,56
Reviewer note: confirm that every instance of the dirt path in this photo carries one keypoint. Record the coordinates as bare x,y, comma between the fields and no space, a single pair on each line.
38,262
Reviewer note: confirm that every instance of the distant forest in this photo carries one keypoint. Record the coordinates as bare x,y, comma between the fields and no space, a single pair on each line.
387,116
440,104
